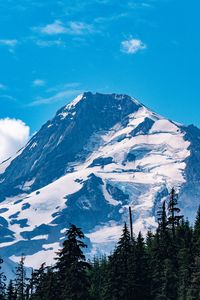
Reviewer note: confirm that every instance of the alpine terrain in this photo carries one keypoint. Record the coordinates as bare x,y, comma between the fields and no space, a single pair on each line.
99,155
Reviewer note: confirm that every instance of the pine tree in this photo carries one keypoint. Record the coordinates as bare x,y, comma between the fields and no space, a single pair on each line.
163,264
20,281
174,217
10,294
184,239
2,282
37,283
51,286
98,277
196,235
156,258
121,269
162,219
30,286
194,288
142,269
72,266
159,252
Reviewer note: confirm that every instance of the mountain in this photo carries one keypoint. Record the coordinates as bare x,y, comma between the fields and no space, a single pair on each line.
98,155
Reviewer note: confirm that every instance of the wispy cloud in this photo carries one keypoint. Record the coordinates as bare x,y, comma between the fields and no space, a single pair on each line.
49,43
135,5
9,43
71,28
110,18
132,46
64,86
7,97
79,28
59,96
38,82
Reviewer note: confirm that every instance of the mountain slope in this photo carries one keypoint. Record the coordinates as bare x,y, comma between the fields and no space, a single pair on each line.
98,155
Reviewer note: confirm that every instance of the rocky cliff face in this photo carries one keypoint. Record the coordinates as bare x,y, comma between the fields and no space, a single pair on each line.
98,155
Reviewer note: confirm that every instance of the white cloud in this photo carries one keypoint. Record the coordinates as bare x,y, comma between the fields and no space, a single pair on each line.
71,28
14,134
9,43
39,82
79,28
132,46
54,28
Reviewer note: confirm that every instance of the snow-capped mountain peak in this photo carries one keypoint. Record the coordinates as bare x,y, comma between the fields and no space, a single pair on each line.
98,155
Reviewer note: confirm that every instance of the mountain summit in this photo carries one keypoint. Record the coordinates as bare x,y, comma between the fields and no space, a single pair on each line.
98,155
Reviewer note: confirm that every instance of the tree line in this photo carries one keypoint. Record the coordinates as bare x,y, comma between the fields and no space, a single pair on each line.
163,265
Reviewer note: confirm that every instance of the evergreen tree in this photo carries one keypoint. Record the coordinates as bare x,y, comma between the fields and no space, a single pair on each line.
37,283
164,258
20,281
2,282
174,217
156,259
194,288
30,286
196,235
160,245
162,219
184,241
10,294
142,287
98,278
51,285
72,266
121,269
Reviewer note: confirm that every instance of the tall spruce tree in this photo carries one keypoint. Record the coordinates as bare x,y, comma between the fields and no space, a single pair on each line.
72,266
174,217
121,271
164,262
184,240
196,235
20,281
98,277
10,293
51,285
193,292
142,283
37,284
2,282
162,219
159,249
194,287
156,258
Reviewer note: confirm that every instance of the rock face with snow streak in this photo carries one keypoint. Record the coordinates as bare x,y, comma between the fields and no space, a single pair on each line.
98,155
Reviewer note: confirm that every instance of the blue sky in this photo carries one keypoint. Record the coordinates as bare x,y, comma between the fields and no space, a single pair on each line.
52,50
